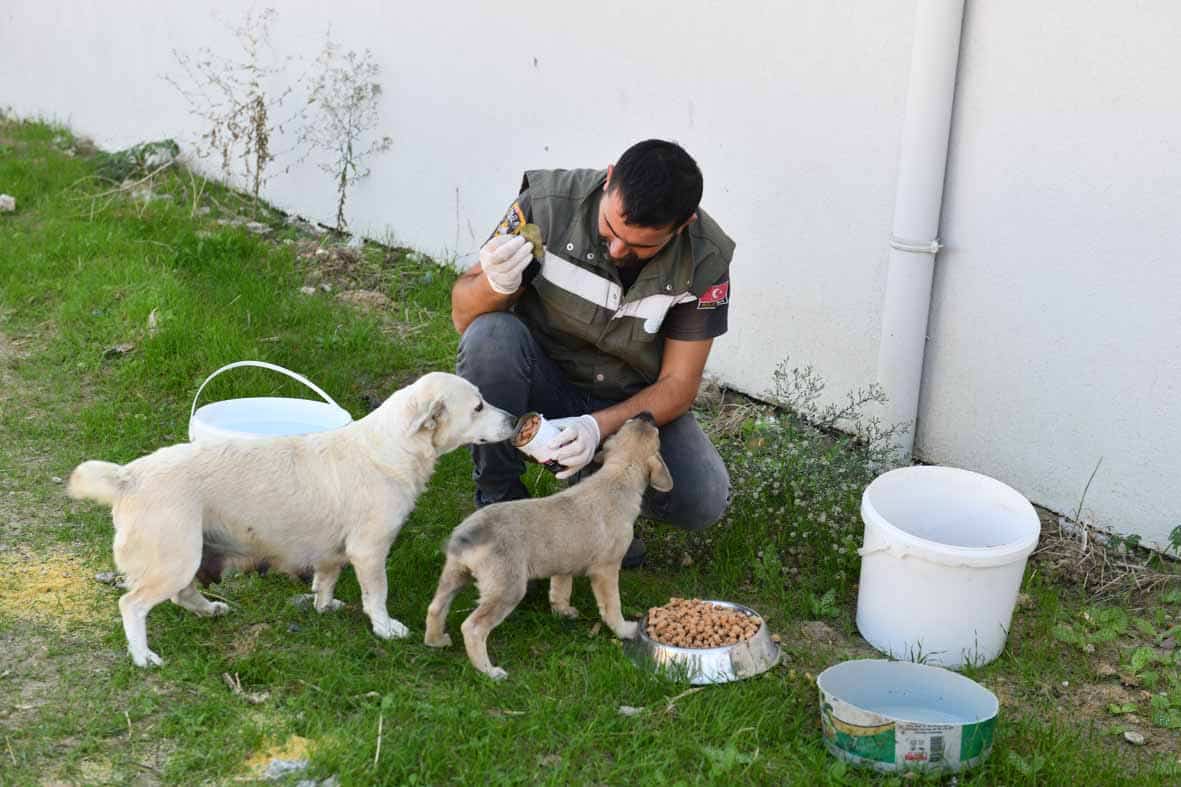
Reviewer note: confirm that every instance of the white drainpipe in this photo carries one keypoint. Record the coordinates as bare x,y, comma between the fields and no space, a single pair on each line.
917,203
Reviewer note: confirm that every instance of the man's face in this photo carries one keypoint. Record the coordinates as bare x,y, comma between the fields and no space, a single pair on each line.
627,244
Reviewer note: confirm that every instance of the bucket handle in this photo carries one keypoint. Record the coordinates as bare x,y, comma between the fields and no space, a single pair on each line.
902,553
264,365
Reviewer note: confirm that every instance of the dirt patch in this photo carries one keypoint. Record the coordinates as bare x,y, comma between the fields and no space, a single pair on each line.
365,300
247,640
35,671
41,671
54,588
813,645
818,634
10,349
294,748
1092,700
341,267
11,352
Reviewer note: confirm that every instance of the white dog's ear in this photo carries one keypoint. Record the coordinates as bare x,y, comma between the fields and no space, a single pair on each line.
427,415
658,475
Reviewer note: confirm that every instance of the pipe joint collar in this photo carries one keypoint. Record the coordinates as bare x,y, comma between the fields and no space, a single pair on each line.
915,246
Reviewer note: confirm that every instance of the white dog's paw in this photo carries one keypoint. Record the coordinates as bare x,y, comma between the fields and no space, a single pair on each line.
570,613
216,608
390,629
496,673
147,659
628,630
442,641
309,600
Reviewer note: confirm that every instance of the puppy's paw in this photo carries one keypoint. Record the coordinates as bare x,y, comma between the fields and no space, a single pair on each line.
216,608
570,613
628,630
332,605
441,641
147,659
496,673
390,629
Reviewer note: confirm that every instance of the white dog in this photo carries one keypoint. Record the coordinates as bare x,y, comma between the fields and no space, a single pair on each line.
314,501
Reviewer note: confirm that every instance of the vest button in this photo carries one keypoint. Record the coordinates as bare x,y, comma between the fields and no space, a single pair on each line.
590,255
598,378
668,286
569,247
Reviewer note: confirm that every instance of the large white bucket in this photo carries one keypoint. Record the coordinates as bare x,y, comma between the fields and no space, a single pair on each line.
264,416
941,565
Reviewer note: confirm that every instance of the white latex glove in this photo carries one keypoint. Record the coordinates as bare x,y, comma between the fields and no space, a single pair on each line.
503,260
575,446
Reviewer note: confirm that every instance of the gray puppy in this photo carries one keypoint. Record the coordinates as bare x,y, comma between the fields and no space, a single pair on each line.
582,531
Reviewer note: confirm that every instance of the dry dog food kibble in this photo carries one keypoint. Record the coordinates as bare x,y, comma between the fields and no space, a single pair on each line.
527,428
693,623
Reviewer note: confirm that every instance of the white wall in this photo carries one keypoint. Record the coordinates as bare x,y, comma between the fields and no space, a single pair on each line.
1054,329
790,108
1055,337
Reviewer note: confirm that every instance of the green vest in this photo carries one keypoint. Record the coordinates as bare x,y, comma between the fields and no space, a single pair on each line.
605,341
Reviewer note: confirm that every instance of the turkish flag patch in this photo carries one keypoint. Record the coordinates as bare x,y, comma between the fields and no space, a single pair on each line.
715,296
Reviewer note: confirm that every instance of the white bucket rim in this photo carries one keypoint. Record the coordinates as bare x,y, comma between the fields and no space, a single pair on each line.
940,552
325,414
924,674
209,420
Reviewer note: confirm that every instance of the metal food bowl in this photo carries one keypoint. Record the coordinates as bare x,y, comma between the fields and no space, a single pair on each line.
704,666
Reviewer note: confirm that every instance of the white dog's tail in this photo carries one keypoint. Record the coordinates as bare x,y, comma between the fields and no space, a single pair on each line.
101,481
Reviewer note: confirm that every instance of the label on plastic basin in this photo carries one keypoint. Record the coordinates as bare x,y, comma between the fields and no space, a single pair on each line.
870,739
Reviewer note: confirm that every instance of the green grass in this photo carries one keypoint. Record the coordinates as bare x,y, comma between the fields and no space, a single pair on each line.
81,273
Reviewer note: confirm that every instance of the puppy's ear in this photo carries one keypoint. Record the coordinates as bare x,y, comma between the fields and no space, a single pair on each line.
658,476
427,415
599,457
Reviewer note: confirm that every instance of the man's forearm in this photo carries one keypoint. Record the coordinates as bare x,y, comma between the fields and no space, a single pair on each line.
472,296
667,399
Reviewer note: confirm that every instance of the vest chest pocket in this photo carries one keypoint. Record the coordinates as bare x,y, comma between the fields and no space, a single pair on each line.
647,314
642,330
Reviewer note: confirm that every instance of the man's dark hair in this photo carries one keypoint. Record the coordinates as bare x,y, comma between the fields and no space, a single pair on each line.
659,184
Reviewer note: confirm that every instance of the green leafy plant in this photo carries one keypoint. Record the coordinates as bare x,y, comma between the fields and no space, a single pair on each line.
801,480
768,571
1096,626
343,118
1139,662
1166,710
1118,709
1026,767
824,606
724,760
233,99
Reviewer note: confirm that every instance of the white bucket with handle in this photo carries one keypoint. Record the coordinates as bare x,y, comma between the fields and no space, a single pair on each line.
264,416
941,565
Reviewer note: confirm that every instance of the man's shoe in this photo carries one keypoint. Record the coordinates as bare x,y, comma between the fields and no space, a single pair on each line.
635,554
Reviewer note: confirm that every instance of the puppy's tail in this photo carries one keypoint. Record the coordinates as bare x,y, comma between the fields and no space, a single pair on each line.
100,481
